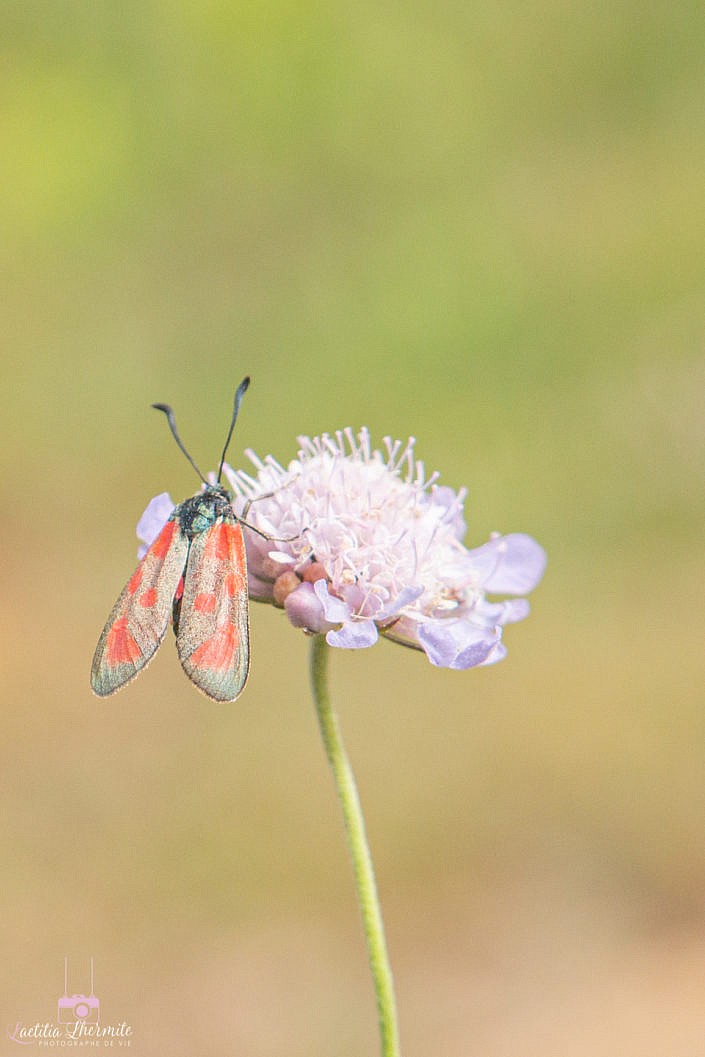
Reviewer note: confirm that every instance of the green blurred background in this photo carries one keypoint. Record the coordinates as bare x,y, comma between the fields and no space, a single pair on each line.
480,224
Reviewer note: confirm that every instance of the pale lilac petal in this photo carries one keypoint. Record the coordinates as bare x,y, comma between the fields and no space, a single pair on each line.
153,520
279,558
356,602
448,498
497,654
456,643
335,610
520,566
507,612
476,654
355,635
404,598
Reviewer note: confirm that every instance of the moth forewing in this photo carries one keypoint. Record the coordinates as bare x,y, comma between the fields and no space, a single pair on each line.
213,633
139,619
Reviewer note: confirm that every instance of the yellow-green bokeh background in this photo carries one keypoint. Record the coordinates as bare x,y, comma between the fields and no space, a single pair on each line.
481,224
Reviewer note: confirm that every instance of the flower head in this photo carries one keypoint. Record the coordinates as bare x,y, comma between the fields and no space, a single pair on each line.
357,542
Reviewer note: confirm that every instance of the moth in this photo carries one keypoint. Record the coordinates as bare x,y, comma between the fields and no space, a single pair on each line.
195,573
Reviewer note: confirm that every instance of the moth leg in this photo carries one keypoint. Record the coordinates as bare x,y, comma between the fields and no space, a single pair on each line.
265,535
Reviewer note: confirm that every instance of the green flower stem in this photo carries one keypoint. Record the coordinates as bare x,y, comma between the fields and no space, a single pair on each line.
359,848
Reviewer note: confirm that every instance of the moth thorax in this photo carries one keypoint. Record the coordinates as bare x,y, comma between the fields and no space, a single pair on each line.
197,514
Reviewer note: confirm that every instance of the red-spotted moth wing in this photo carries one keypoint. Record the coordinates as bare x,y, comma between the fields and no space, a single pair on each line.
212,639
139,619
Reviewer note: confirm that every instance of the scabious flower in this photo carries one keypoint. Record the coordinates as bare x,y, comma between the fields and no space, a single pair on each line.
356,543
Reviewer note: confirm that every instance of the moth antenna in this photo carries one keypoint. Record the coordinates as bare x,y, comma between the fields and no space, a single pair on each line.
172,426
241,390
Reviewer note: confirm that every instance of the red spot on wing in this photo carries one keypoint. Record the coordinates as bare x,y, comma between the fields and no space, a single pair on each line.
204,602
222,542
135,580
160,547
217,652
120,647
230,584
149,598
